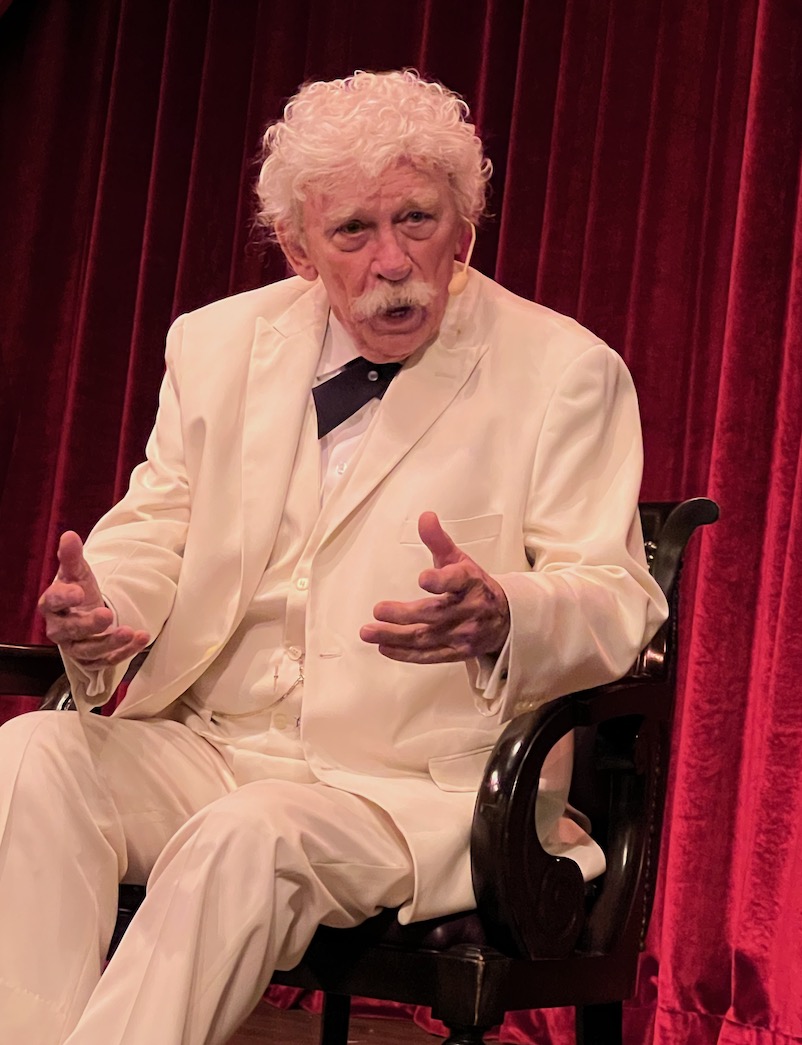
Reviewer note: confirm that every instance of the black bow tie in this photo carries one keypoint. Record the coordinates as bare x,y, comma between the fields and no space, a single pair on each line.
356,384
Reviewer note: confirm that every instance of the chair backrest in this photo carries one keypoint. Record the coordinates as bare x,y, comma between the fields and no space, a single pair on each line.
612,757
667,527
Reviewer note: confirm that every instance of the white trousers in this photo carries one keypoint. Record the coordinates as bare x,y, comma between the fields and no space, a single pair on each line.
238,880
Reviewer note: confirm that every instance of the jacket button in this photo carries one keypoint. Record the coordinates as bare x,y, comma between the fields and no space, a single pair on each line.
280,720
294,652
302,583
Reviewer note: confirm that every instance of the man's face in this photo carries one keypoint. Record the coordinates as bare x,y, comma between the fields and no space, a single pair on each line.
384,248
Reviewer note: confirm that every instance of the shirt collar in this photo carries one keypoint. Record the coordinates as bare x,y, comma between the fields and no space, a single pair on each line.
338,349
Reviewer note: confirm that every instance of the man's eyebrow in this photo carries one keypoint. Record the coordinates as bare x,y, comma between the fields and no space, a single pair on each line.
425,201
342,217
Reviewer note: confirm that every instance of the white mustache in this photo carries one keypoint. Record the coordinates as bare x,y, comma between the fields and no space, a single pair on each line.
385,296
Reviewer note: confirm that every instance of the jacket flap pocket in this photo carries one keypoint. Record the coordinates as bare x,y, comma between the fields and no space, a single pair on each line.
462,772
461,531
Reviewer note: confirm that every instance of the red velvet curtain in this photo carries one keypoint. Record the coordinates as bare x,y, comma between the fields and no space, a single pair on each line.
647,160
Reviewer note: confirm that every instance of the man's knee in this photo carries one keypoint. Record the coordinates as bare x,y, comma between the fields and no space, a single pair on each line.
37,734
261,815
42,754
266,827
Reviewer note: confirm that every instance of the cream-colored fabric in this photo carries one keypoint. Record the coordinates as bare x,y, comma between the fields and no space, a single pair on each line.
251,692
239,880
517,426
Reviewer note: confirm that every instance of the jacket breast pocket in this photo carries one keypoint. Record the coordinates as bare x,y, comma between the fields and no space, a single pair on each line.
462,772
461,531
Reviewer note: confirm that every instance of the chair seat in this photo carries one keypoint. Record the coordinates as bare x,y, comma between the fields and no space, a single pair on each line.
434,934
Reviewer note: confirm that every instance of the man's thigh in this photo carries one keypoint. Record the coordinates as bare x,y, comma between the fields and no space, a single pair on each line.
345,848
139,781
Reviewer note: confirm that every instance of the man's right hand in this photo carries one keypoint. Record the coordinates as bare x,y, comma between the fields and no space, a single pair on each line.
78,620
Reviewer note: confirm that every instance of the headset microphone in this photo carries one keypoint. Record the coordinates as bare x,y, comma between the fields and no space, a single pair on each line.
459,281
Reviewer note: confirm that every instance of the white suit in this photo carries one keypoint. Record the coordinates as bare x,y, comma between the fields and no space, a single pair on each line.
520,430
517,426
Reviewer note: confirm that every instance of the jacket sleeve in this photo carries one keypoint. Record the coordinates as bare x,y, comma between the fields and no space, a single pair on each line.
136,548
582,614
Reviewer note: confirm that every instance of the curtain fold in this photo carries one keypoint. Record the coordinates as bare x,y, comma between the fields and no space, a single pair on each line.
743,968
647,180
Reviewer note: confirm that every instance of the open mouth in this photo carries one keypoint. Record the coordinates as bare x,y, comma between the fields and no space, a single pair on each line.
399,314
391,304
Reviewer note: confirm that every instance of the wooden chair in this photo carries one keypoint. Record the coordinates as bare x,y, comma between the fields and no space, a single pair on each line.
540,937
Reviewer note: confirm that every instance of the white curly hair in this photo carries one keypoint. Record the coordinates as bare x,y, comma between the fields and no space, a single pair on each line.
361,125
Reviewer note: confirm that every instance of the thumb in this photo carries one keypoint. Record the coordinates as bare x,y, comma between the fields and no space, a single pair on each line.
443,549
73,567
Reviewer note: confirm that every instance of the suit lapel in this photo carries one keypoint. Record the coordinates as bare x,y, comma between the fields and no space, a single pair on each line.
278,426
419,394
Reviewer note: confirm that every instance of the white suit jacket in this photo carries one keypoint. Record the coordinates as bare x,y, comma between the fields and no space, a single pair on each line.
517,426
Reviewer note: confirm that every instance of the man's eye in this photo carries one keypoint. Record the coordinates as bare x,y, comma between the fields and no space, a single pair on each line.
417,216
351,228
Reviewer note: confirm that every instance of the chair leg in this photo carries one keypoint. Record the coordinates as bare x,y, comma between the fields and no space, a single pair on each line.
465,1036
335,1019
600,1024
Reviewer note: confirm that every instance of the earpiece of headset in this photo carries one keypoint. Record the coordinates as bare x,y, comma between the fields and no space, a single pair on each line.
459,281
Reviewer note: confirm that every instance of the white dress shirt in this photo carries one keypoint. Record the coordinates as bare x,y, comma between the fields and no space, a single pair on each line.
339,445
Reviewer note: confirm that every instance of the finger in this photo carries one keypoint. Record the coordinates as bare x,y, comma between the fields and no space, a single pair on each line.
419,611
455,579
419,636
438,655
60,597
116,656
73,567
405,635
97,646
437,540
463,636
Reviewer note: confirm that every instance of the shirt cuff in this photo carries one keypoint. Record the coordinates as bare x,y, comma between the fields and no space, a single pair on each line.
488,678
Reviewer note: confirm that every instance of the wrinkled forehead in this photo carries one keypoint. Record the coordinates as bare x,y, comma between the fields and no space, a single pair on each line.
339,194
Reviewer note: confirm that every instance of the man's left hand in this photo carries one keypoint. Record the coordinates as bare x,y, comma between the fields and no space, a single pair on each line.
468,617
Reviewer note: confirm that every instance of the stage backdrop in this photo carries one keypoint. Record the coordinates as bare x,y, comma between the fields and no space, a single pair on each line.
647,180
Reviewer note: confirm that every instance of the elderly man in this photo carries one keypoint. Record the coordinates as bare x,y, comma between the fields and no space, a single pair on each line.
386,506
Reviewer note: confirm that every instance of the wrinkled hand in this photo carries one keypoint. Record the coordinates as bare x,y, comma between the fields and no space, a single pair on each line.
76,617
468,617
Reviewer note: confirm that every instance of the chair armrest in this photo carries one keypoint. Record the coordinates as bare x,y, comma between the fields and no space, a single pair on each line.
38,671
35,671
28,671
531,903
59,697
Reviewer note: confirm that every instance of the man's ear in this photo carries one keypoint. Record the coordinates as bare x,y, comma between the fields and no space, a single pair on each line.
295,253
465,238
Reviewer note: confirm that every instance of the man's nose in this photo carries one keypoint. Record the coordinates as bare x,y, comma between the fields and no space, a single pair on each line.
391,261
